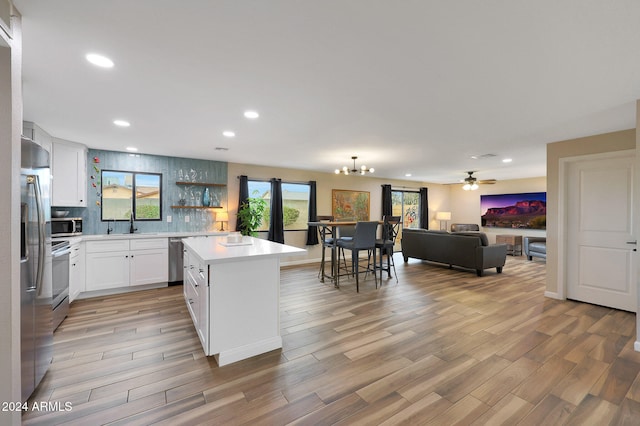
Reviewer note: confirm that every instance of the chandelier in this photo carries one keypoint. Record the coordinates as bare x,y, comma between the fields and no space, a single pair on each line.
362,170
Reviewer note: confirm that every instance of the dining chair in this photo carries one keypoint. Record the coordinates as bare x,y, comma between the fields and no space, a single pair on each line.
326,239
364,238
385,245
344,233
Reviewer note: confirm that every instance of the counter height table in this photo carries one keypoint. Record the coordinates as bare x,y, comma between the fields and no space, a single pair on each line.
232,291
323,225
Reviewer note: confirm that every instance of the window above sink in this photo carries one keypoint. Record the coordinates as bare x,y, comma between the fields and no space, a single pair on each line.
131,193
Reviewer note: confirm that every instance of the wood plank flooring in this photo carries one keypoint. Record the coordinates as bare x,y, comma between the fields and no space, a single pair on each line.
442,346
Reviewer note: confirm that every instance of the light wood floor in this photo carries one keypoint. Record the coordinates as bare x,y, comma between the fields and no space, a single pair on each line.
440,347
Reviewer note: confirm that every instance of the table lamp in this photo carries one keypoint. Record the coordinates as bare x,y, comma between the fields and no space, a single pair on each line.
222,217
443,217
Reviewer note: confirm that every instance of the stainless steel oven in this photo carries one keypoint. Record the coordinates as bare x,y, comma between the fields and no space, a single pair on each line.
66,226
60,253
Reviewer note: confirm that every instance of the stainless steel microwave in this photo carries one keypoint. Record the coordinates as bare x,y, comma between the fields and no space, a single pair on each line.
66,226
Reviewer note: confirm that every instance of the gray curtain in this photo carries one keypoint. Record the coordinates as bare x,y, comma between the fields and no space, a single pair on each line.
244,196
312,234
276,222
424,208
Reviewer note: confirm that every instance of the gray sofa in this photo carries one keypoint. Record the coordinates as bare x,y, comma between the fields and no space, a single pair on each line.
464,249
535,247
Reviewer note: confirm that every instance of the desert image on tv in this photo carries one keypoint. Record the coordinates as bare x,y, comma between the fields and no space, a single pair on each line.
523,211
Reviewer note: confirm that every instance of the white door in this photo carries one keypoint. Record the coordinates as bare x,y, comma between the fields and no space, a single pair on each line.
600,242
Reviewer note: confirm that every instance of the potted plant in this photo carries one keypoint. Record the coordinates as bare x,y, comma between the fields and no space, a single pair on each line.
250,215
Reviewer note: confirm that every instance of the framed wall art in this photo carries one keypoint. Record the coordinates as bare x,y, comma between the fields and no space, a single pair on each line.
347,204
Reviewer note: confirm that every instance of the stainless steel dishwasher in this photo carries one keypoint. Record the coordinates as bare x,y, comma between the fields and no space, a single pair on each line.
175,261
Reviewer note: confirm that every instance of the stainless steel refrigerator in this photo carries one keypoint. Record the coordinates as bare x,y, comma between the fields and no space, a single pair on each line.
36,311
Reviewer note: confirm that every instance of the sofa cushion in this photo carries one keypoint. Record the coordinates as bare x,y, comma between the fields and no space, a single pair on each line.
484,241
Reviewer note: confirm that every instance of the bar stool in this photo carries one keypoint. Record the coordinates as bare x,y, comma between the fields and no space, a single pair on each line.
364,238
385,245
344,233
327,241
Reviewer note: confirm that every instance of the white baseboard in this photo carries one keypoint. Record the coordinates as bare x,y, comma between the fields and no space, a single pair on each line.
112,291
247,351
553,295
301,262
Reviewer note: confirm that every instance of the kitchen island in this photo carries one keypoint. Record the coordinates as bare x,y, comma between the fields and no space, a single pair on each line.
232,291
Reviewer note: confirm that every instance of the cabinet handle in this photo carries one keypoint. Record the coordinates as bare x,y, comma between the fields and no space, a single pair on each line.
196,285
191,301
126,257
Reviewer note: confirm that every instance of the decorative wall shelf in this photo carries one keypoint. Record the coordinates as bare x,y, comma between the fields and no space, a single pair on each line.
206,184
201,184
196,207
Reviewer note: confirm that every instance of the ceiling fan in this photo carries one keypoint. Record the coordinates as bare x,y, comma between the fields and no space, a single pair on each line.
471,183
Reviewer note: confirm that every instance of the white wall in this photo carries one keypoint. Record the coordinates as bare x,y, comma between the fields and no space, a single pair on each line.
465,205
325,182
10,130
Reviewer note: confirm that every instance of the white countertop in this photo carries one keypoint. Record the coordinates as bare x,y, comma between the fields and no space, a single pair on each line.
210,249
127,236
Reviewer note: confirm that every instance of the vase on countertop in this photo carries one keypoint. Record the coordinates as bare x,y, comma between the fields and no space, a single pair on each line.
206,200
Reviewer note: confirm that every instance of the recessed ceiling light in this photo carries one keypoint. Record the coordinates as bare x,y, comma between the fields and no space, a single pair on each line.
507,160
221,148
99,60
251,114
407,175
132,149
121,123
229,134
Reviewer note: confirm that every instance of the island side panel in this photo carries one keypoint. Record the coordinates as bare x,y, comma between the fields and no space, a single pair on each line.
244,300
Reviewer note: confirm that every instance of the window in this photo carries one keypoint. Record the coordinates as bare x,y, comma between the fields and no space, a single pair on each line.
118,200
295,203
406,204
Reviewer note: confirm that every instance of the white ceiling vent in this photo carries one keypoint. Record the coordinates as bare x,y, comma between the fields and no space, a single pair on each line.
483,156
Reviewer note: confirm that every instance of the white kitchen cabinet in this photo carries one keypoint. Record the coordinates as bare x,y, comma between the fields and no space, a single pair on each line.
69,172
38,135
195,289
116,263
107,264
34,132
76,270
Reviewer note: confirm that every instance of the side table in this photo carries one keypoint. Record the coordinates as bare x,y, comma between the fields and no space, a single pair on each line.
513,242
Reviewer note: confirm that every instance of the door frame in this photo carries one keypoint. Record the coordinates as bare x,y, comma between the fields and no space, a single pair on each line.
563,208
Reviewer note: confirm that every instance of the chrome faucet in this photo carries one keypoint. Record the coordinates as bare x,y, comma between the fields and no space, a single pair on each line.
131,228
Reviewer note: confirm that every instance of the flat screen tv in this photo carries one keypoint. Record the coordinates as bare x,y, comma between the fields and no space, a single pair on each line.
527,210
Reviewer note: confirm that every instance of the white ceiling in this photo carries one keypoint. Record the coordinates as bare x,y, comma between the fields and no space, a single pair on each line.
412,86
